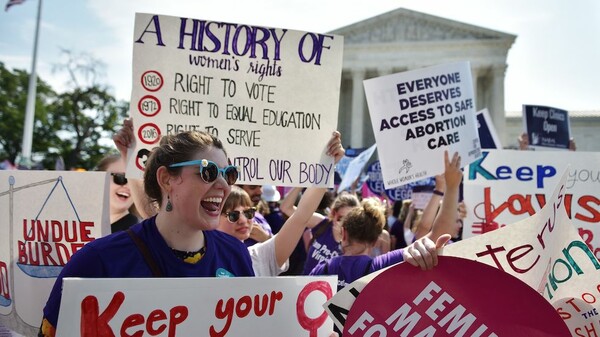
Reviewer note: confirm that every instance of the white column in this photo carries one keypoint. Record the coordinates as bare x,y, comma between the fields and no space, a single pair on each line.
497,111
474,75
358,102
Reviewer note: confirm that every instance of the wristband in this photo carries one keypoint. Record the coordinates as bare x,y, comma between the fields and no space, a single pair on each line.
438,193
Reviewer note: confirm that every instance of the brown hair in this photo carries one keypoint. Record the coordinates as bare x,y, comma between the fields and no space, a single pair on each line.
175,149
237,197
365,223
106,161
344,199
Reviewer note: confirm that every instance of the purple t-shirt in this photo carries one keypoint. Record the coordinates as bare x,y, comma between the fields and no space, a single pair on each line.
323,247
351,268
116,255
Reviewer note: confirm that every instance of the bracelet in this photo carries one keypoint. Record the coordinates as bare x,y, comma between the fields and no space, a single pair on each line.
436,192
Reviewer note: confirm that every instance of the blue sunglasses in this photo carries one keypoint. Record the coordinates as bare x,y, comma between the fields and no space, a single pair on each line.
209,171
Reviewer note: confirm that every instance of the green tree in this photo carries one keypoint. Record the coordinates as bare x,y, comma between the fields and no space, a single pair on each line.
13,98
85,113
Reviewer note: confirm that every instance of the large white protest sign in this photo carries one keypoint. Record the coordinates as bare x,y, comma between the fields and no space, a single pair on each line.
355,167
418,114
270,95
46,217
504,187
215,307
546,252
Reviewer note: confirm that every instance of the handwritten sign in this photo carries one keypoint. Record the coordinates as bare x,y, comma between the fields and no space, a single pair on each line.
487,132
546,126
418,114
269,94
215,307
504,187
442,302
47,216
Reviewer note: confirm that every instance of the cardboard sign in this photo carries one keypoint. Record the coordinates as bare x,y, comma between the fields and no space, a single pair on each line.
355,168
269,94
215,307
546,126
418,114
47,216
487,132
504,187
442,302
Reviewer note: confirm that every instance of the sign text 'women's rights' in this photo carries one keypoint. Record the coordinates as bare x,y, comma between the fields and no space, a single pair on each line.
252,87
418,114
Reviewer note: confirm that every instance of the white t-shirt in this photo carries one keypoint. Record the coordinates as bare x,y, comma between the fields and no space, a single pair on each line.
264,261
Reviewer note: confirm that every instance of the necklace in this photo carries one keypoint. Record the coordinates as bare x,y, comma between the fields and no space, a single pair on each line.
190,257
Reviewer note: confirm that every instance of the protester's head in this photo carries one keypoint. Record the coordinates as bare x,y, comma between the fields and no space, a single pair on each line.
364,224
342,204
404,210
254,191
189,176
120,195
236,216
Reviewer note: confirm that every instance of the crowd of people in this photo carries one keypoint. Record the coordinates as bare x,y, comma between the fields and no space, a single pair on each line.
188,217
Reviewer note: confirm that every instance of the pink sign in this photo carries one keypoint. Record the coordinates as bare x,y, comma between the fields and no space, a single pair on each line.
459,297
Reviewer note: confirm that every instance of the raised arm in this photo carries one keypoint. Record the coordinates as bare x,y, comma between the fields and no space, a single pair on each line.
291,232
448,214
123,140
431,208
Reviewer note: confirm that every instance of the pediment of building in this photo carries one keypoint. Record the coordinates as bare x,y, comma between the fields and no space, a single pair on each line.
403,25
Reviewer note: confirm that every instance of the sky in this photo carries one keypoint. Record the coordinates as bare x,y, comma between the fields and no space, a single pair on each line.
554,60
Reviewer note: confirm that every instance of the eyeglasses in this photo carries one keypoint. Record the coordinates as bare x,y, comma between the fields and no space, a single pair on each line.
209,171
119,178
234,216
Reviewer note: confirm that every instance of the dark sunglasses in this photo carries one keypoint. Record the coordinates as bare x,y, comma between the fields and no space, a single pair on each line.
234,216
119,178
209,171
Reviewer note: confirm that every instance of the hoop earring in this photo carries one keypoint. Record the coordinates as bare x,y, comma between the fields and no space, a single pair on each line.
169,204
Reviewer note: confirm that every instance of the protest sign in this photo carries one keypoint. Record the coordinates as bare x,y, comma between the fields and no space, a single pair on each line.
547,127
546,252
215,307
504,187
418,114
47,216
405,301
420,196
270,95
487,132
355,168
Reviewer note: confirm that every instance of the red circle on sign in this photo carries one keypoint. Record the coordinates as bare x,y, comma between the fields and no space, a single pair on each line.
146,128
152,98
149,86
457,294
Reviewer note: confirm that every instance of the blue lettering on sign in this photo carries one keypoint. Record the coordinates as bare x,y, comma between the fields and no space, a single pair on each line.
523,173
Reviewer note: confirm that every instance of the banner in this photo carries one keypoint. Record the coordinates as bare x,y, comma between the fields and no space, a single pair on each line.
504,187
547,127
269,94
215,307
487,132
418,114
47,216
406,301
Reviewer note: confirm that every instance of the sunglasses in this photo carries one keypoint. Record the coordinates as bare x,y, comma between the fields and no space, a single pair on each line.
119,178
209,171
234,216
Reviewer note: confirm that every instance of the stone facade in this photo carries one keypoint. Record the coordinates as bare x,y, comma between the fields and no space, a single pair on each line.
402,40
